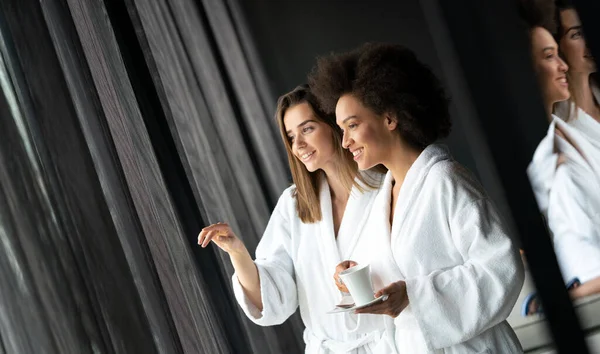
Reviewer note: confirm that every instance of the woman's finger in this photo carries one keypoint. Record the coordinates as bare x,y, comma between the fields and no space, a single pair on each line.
338,284
203,238
216,227
385,291
340,268
221,227
344,265
208,238
203,234
378,309
348,264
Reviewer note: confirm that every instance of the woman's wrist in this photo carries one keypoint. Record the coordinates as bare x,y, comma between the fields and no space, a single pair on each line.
240,257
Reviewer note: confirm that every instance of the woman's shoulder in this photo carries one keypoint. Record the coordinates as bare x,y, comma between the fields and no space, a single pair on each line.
287,197
285,208
456,182
545,148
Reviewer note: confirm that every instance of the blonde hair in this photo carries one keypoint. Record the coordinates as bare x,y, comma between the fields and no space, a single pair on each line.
306,193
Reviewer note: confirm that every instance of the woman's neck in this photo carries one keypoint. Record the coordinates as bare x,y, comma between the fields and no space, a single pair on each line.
401,158
549,110
339,192
582,93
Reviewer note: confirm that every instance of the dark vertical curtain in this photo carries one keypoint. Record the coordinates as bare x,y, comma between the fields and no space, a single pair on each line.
227,142
126,127
66,283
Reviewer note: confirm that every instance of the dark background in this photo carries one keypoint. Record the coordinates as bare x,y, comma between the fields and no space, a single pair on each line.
290,34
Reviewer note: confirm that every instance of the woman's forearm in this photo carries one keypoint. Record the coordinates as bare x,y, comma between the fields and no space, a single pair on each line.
247,274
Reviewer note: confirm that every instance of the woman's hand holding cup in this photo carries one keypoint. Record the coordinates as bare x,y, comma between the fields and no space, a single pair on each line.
340,268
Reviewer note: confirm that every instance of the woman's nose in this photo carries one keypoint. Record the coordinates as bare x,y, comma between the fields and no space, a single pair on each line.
345,141
562,65
299,142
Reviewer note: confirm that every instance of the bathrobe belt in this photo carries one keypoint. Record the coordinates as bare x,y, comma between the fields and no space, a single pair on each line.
338,346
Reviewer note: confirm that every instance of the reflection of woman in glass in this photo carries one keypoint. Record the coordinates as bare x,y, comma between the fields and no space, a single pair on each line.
582,73
440,250
560,167
551,72
574,214
307,235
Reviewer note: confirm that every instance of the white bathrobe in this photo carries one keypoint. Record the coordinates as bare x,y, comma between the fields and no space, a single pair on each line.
296,263
542,168
462,271
574,207
590,130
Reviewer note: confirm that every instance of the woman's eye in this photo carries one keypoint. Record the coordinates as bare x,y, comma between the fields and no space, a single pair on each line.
307,129
576,35
352,125
549,56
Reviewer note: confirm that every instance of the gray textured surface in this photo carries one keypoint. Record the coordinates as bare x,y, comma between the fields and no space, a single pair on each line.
100,206
71,288
186,296
223,159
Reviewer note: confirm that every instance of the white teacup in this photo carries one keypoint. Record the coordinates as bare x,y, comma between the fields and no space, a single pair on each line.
358,281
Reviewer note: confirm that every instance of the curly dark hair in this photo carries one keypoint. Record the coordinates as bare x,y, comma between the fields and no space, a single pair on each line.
386,78
538,13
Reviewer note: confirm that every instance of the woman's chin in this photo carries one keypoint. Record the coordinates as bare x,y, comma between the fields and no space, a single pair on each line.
363,165
310,167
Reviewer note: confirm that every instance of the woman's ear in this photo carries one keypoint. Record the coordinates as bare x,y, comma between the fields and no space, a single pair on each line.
391,121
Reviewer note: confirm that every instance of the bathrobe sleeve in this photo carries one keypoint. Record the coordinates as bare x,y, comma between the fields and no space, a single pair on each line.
455,304
541,175
275,270
575,223
542,169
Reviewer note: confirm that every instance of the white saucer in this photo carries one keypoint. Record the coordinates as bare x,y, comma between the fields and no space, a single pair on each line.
338,309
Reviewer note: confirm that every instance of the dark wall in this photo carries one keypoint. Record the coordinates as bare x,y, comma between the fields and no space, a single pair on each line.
290,34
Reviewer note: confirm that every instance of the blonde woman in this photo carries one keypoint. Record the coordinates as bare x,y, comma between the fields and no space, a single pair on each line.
317,222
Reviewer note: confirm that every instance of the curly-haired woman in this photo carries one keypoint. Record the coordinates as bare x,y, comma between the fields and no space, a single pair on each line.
439,248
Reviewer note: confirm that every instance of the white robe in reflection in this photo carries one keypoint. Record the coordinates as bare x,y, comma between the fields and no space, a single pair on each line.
542,168
296,263
574,207
590,130
462,271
